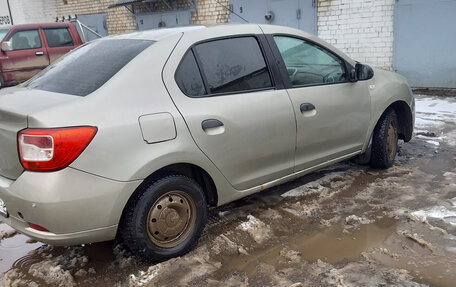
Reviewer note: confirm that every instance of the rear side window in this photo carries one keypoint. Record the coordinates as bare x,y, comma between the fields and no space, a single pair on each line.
233,65
188,77
84,70
24,40
58,37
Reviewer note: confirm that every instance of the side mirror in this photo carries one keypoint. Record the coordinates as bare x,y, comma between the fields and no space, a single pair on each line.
6,46
364,72
353,76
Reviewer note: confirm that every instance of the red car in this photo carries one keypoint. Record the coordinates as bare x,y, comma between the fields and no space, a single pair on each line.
28,49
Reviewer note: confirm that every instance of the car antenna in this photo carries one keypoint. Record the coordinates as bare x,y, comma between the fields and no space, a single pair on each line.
231,10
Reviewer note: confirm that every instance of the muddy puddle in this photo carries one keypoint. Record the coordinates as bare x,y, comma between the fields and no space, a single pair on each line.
102,264
425,265
331,245
12,247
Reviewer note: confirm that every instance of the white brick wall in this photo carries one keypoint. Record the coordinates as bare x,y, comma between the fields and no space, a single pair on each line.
32,11
361,28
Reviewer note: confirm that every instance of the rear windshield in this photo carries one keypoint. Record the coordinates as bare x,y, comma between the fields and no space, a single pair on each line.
86,69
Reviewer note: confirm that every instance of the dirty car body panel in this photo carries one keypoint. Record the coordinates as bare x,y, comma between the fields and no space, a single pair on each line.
235,136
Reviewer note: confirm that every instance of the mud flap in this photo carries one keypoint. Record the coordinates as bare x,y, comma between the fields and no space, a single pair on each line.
365,157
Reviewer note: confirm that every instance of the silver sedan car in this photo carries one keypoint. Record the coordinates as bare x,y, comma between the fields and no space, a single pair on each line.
137,135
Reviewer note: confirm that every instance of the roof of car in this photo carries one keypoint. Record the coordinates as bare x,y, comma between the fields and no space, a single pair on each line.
161,33
155,34
26,26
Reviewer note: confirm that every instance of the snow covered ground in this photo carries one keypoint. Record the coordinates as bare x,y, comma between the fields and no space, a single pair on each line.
434,116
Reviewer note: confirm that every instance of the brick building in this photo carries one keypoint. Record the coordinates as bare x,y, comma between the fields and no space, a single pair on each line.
362,29
369,31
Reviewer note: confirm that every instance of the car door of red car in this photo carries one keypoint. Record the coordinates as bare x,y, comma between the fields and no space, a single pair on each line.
59,41
27,57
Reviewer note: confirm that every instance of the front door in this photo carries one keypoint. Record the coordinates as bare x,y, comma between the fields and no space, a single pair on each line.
28,56
332,114
236,116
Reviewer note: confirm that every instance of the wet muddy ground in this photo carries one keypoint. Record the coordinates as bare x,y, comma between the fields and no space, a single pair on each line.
347,225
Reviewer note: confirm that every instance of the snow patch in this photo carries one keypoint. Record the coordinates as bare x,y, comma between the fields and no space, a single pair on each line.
356,220
315,186
434,105
437,212
436,143
433,113
256,228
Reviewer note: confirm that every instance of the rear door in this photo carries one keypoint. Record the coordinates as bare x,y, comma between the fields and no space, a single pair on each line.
235,113
59,41
332,114
28,57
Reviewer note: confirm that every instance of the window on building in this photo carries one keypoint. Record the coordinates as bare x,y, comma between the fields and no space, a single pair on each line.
233,65
23,40
188,77
309,64
58,37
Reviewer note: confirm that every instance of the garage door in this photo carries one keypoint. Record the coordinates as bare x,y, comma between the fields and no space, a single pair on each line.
96,22
300,14
163,19
425,42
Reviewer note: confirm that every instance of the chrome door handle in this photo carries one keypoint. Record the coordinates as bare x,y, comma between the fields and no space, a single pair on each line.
39,53
307,107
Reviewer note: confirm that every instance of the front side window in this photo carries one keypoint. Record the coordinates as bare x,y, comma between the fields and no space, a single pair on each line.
24,40
84,70
308,64
233,65
3,33
58,37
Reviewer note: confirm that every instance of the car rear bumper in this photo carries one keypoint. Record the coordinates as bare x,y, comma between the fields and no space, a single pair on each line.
76,207
75,238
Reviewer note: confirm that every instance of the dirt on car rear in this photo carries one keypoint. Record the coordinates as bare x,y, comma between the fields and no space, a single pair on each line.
346,225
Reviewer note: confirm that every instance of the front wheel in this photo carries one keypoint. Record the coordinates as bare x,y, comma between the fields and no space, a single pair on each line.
384,141
166,219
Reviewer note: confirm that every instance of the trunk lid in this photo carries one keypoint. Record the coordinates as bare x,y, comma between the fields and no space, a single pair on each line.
15,106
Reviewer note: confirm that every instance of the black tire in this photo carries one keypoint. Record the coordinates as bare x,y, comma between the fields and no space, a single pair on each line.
161,207
384,141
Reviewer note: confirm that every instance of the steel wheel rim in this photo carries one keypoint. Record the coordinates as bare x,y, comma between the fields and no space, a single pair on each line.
391,141
171,219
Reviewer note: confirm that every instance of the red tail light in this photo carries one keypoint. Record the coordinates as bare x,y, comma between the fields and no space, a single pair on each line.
52,149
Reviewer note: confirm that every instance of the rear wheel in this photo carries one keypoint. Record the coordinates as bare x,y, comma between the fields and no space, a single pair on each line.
384,141
166,219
